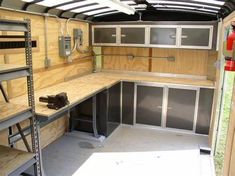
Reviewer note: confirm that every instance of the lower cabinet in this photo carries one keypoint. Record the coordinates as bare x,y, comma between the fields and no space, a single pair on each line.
128,102
181,108
149,105
185,108
107,112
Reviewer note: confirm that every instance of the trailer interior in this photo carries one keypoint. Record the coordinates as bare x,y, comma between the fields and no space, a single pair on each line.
117,87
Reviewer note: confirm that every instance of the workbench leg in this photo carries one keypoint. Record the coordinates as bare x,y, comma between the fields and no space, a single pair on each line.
94,117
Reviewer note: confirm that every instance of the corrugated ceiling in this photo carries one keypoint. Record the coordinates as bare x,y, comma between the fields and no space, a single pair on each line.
95,9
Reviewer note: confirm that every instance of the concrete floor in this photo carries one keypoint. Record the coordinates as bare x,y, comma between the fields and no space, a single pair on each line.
129,150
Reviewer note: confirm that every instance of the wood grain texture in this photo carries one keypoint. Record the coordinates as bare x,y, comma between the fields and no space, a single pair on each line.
83,87
9,110
11,159
4,68
123,63
211,70
190,62
232,159
57,73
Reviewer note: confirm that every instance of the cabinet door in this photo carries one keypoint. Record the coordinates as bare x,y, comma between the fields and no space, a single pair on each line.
127,102
163,36
196,37
114,99
181,108
149,105
204,110
133,35
104,35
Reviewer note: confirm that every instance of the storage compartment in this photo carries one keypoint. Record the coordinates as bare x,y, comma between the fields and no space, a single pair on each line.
149,105
132,35
163,36
196,37
104,35
181,108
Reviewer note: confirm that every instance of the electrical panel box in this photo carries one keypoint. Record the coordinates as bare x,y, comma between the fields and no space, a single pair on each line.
78,35
64,46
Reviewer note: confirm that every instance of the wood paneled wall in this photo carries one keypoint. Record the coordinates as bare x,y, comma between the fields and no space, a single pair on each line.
59,70
187,61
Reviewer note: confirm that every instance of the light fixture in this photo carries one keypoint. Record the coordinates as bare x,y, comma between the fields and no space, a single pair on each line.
116,5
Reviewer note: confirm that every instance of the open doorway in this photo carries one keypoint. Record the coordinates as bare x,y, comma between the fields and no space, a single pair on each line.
224,121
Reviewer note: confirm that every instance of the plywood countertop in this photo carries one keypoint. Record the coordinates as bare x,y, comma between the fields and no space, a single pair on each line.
85,86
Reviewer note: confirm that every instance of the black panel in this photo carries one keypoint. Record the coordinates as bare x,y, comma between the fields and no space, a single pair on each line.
127,103
149,105
15,44
113,108
204,110
102,112
181,107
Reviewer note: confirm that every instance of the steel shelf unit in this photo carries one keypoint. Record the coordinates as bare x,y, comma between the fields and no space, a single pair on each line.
9,72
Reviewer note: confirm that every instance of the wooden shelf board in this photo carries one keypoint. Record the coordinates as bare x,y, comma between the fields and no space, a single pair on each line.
9,110
11,159
6,68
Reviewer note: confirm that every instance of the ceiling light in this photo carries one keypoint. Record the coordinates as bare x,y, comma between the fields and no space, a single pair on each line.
117,5
28,0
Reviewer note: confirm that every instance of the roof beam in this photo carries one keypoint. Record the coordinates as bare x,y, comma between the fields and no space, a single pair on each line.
60,5
25,7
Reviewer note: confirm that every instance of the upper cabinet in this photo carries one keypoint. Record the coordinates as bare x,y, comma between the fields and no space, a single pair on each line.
133,35
196,37
104,35
162,36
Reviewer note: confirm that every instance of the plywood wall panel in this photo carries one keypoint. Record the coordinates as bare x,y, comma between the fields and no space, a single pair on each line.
58,72
123,63
187,61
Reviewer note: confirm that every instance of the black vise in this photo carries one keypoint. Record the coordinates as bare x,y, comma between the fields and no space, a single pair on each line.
55,101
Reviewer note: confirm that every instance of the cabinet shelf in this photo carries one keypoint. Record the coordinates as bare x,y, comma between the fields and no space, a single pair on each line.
11,114
12,161
11,71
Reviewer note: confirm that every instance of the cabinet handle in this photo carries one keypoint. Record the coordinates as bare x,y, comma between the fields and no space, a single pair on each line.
173,36
184,36
123,35
160,107
113,35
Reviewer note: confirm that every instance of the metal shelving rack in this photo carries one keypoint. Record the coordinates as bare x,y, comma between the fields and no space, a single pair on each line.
11,114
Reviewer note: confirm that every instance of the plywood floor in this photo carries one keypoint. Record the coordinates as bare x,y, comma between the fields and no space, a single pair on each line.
129,150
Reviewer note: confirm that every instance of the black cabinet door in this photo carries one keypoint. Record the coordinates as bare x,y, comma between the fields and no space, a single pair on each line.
181,108
204,110
114,99
149,105
127,102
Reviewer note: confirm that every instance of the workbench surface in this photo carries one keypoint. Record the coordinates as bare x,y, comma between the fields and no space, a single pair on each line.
81,88
11,159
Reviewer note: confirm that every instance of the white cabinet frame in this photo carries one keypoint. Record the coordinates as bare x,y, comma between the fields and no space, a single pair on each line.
163,26
196,27
147,35
104,44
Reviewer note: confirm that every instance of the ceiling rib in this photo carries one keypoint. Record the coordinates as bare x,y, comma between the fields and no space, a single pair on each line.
25,7
60,5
